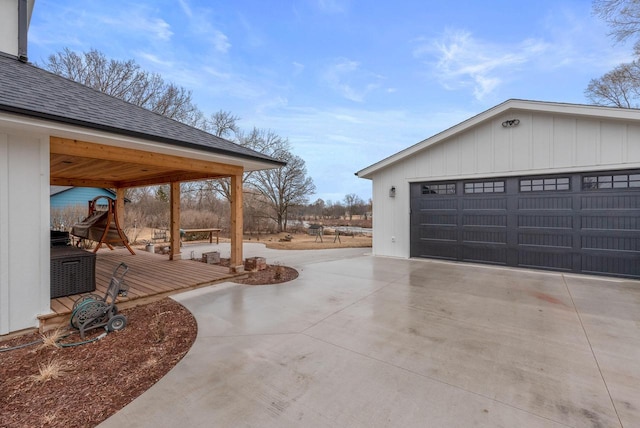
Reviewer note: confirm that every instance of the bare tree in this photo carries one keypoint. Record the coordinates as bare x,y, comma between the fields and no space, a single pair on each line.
261,140
623,16
223,124
353,203
283,187
619,87
127,81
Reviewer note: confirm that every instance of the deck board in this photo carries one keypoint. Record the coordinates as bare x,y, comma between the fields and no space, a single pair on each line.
149,275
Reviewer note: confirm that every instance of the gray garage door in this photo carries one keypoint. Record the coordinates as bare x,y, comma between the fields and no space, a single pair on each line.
585,223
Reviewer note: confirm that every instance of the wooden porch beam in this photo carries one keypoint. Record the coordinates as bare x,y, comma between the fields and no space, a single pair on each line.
236,261
175,222
65,146
164,179
59,181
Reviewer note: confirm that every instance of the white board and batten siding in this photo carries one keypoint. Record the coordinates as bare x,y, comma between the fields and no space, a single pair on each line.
552,139
24,230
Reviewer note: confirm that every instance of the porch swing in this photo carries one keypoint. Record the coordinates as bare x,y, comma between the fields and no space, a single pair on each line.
102,225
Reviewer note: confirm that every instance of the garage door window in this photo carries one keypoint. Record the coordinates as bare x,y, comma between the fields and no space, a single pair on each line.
618,181
440,189
484,187
544,184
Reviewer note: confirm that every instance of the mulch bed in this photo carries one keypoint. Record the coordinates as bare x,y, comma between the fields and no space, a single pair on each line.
273,274
97,379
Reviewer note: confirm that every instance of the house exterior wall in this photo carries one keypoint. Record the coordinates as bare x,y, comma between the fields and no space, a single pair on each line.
78,196
24,225
542,143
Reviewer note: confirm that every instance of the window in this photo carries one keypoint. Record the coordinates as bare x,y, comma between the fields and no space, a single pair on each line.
441,189
544,184
484,187
610,181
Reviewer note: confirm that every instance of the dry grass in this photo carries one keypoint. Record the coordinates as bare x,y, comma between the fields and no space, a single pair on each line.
157,327
53,369
50,339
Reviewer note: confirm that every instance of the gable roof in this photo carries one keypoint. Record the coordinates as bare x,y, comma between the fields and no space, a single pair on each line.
504,108
31,91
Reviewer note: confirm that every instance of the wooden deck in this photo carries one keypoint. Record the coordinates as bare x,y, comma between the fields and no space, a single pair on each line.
150,277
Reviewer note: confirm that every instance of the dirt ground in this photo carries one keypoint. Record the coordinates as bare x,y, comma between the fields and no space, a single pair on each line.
289,241
301,241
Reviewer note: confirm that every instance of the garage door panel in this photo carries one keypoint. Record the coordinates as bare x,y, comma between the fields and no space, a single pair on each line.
485,204
437,234
545,258
437,219
471,235
604,241
545,203
546,221
608,222
485,253
437,250
610,202
437,203
620,264
485,220
545,239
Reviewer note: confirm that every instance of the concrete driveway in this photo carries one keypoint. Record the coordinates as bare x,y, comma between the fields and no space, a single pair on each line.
361,341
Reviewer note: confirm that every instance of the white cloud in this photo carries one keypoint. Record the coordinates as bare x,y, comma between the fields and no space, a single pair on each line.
220,41
460,61
154,59
157,28
186,8
345,77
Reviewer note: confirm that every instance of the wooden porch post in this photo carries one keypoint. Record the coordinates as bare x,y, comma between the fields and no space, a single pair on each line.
175,222
236,263
120,206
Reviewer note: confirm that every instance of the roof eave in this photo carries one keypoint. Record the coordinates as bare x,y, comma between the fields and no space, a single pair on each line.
123,132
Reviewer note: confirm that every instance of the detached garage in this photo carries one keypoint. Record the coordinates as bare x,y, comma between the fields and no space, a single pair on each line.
528,184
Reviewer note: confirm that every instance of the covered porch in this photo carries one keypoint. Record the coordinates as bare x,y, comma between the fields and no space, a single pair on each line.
150,277
89,164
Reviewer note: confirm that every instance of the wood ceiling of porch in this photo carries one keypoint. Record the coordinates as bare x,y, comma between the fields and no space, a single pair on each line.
85,164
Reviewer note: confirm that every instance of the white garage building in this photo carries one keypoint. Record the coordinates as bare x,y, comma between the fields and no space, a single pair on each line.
530,184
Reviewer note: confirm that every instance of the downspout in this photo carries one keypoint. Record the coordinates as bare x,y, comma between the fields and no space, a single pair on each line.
22,30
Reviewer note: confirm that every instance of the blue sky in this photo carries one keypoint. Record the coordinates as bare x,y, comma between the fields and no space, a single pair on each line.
347,82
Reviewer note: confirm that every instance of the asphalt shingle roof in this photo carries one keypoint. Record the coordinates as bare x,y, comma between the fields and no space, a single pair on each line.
31,91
